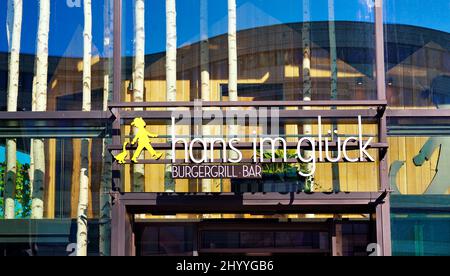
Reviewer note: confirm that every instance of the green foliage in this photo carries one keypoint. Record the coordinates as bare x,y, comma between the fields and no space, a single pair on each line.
281,169
23,190
288,171
2,188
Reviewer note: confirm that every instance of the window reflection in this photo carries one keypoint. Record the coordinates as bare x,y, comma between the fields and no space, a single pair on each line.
270,42
417,54
65,54
164,240
422,168
60,181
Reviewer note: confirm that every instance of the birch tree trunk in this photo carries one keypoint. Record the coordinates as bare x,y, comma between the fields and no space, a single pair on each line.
232,52
105,184
9,21
82,217
138,75
334,82
33,107
37,205
205,75
13,90
307,87
333,50
171,77
233,129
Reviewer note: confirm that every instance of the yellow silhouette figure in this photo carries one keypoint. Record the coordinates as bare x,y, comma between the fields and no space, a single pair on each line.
142,137
121,156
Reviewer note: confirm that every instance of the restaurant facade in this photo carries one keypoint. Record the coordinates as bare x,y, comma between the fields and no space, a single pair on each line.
225,127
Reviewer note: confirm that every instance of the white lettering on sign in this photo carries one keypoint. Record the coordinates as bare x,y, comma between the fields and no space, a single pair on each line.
308,148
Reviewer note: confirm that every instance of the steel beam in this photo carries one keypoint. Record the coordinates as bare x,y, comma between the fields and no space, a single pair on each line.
285,115
256,203
382,210
369,103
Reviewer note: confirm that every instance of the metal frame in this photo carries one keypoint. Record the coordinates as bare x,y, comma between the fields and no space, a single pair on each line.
126,204
254,203
369,103
151,202
383,217
267,225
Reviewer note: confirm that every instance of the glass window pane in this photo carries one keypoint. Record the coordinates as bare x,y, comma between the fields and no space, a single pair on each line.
216,239
61,160
257,239
63,88
296,49
419,165
417,53
419,205
420,225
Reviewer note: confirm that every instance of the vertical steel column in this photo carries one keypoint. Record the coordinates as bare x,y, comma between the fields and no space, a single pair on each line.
117,87
382,210
118,227
118,220
122,234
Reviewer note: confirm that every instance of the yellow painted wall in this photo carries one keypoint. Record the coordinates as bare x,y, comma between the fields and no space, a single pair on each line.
412,179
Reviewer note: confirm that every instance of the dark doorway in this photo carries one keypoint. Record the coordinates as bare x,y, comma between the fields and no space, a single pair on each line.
244,237
234,237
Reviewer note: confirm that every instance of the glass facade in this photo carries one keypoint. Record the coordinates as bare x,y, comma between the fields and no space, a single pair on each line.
75,75
62,177
273,47
65,53
40,194
417,60
417,72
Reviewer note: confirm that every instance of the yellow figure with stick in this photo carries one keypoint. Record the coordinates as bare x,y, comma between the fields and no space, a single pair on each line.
142,137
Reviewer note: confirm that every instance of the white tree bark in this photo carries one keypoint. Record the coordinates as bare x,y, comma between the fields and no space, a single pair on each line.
139,76
87,55
204,51
9,21
233,129
10,179
205,75
37,206
82,219
105,184
307,87
13,90
171,77
306,45
13,77
334,81
33,107
232,52
83,201
333,49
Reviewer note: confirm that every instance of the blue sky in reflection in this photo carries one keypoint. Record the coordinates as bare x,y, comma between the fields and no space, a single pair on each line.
66,34
22,158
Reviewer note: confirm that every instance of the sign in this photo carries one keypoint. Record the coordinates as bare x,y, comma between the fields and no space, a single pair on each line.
204,164
218,171
309,149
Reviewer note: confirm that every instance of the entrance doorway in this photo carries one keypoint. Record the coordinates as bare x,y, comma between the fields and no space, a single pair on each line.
247,238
